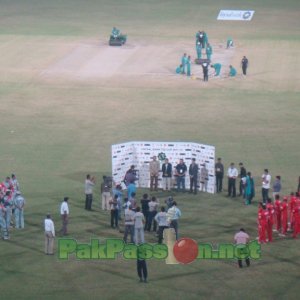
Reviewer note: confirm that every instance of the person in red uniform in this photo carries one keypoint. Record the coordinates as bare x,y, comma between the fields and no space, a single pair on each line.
296,215
271,213
277,205
284,216
262,223
291,205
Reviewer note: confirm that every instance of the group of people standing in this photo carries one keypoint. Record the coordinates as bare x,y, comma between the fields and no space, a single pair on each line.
12,205
203,44
198,175
283,215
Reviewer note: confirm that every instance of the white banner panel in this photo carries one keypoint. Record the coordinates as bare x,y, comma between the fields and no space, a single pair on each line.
236,15
140,154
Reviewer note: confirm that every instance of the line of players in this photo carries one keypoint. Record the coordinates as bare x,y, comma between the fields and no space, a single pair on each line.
11,204
284,215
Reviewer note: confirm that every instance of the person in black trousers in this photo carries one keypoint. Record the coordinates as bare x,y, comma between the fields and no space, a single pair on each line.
219,170
141,265
244,64
232,174
205,71
243,174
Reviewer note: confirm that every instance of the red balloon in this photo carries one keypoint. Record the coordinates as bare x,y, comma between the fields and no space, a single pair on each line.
185,250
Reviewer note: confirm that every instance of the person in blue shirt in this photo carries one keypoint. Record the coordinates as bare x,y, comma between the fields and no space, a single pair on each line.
188,66
209,51
199,50
184,61
232,71
179,69
217,67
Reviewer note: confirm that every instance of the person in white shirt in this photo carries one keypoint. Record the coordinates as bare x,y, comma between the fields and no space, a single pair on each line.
129,224
64,212
242,238
266,183
232,175
153,205
88,187
49,235
19,203
173,215
162,221
139,221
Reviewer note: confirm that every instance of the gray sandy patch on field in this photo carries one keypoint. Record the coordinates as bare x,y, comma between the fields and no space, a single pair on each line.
90,61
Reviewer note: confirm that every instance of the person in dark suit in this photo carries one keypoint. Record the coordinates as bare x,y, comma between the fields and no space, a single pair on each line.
166,175
193,172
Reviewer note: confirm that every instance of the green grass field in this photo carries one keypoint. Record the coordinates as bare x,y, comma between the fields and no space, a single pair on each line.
54,132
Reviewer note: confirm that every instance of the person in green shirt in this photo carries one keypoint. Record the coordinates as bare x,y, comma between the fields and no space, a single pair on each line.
184,61
209,51
232,71
229,43
115,32
199,50
217,67
179,70
205,39
188,66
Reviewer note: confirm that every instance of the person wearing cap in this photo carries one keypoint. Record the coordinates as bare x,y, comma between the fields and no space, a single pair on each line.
64,212
193,172
19,203
219,172
154,167
49,235
88,186
241,239
232,174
